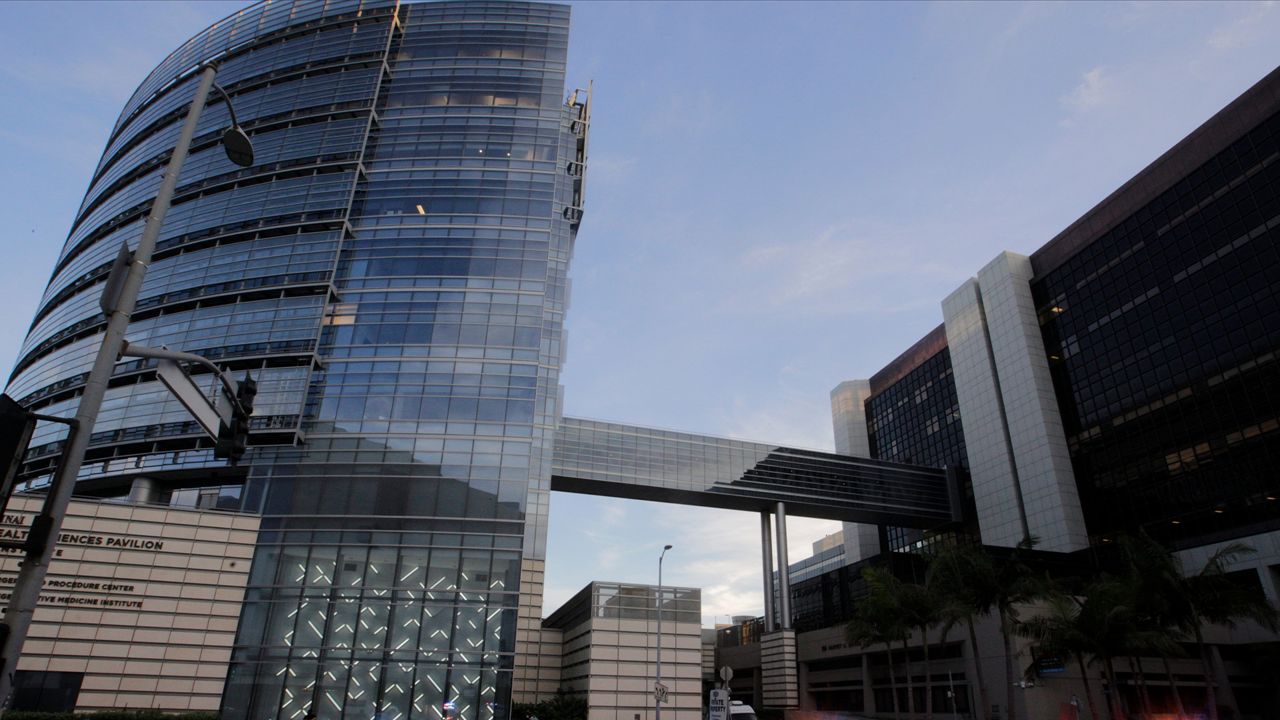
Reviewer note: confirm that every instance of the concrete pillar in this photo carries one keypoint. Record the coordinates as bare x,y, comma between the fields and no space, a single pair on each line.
849,417
780,680
1226,694
143,491
868,685
1017,451
766,543
1270,582
784,577
1039,444
849,423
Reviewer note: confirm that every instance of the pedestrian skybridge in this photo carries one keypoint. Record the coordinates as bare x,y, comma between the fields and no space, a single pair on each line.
601,458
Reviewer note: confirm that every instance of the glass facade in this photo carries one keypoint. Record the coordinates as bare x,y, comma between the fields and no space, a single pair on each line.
1163,338
393,271
916,419
650,464
815,564
619,601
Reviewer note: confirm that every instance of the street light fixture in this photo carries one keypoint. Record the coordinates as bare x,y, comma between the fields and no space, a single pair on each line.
657,683
26,589
235,141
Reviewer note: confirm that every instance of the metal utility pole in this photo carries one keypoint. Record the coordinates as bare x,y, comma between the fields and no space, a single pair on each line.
118,303
658,695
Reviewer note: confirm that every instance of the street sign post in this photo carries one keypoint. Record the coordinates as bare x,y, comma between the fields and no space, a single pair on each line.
726,674
718,707
660,692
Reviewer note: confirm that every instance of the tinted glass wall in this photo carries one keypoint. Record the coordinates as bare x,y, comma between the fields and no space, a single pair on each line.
917,420
393,270
1163,338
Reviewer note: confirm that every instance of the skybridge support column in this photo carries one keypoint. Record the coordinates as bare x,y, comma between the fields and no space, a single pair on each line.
766,543
784,579
779,672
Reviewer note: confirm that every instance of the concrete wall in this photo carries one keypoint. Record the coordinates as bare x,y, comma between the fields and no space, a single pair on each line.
614,661
143,600
536,675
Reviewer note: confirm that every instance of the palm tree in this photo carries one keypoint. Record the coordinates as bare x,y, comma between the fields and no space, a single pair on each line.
1057,631
877,619
1014,585
1188,602
864,631
962,578
1102,626
974,578
920,610
1154,573
1210,596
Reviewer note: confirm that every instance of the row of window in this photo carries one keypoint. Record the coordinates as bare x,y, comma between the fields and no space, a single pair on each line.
1142,327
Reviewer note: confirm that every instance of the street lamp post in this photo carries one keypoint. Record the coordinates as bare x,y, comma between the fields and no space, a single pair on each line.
26,589
657,702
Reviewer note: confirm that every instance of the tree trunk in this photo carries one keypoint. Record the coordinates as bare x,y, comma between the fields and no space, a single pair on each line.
1010,712
1210,694
1088,689
893,681
1135,667
1173,687
911,687
928,694
1117,707
977,669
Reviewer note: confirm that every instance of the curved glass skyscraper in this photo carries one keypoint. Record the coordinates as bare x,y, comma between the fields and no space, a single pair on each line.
393,271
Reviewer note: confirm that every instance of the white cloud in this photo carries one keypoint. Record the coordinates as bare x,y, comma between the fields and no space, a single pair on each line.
1243,31
1093,91
802,532
844,268
795,419
717,551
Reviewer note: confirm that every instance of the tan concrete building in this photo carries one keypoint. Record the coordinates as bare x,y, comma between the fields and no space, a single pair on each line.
609,650
139,608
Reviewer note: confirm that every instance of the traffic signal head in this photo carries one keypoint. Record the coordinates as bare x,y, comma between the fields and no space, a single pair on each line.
246,391
233,439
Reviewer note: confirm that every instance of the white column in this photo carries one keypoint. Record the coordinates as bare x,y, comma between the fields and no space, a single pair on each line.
1022,478
991,467
849,422
784,566
1050,498
766,547
849,417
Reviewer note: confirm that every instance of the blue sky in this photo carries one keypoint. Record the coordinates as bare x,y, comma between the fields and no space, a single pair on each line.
779,196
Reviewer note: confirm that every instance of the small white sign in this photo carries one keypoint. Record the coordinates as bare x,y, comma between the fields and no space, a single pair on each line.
718,707
185,390
660,692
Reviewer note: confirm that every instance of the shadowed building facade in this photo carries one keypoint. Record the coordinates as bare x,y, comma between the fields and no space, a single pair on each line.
1121,378
1123,375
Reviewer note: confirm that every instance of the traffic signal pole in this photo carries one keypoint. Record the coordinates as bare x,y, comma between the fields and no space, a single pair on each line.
31,574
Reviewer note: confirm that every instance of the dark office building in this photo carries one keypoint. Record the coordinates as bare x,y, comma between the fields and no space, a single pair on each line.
1125,375
393,272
